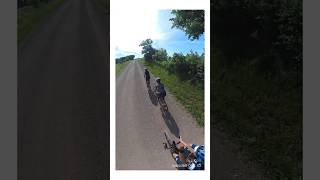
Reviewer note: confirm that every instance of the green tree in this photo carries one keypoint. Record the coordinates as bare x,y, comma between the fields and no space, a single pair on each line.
161,55
190,21
124,58
270,31
147,50
130,57
195,66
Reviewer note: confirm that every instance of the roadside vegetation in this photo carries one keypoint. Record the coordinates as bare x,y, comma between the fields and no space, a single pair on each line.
256,81
104,4
183,75
31,13
188,91
122,62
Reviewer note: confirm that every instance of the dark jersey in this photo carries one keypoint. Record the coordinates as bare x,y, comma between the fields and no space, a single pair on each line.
160,90
147,74
160,87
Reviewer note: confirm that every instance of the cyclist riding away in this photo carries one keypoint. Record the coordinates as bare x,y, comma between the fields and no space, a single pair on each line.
159,89
189,156
147,76
161,93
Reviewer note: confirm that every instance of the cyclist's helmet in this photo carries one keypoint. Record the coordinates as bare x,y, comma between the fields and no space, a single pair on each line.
158,79
145,69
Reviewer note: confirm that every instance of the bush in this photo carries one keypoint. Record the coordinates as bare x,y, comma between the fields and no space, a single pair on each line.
196,66
181,67
188,68
160,55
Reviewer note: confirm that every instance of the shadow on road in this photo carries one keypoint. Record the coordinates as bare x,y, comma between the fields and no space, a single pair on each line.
171,123
152,97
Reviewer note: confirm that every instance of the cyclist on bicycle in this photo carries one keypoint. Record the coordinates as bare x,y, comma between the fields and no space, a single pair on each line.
147,75
159,89
189,156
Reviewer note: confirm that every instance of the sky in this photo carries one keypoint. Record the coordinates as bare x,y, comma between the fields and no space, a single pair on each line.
133,28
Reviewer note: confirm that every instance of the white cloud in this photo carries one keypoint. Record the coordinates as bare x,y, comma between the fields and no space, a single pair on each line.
134,26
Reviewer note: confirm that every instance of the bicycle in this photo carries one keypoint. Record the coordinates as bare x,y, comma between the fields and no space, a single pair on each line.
170,144
187,152
163,105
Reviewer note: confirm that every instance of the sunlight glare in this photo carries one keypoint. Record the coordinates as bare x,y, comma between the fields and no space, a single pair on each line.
134,26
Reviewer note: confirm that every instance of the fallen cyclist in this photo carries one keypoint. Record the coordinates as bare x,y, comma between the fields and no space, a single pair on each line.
188,156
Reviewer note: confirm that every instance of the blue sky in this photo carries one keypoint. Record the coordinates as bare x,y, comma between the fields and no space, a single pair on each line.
156,26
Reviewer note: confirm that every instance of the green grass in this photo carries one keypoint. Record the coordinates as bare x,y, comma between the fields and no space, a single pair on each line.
190,96
262,114
29,17
121,66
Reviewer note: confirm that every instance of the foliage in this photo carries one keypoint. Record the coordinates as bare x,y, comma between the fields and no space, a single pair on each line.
183,75
257,80
262,114
147,50
187,67
104,4
196,66
268,30
191,96
160,55
190,21
125,58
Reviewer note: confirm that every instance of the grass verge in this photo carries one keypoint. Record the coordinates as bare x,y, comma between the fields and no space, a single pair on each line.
29,17
190,96
121,66
262,114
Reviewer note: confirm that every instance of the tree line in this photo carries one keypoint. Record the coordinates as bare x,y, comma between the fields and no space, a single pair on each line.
125,58
186,67
269,31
